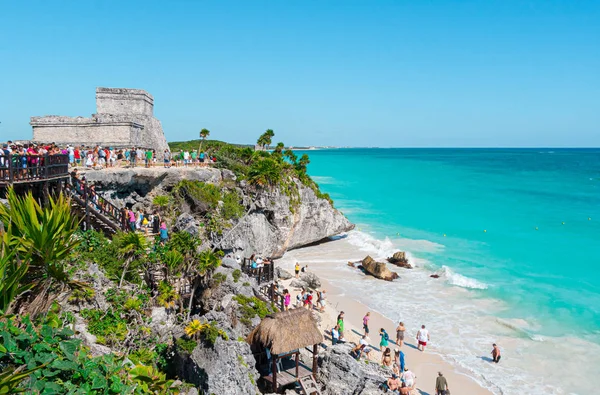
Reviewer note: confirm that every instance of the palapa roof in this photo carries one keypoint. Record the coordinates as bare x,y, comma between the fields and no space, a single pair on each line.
286,331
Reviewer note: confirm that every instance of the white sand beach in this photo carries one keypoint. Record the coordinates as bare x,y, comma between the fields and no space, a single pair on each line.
425,365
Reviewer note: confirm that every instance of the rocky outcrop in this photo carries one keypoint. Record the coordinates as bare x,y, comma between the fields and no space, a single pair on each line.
399,259
275,221
227,368
311,280
342,374
274,225
297,283
187,223
282,273
378,269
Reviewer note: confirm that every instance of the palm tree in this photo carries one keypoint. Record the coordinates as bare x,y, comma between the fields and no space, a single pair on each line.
46,238
265,139
265,172
130,245
207,262
204,133
303,163
279,149
289,154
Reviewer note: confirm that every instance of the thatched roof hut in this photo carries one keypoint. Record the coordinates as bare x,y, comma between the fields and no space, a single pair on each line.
286,331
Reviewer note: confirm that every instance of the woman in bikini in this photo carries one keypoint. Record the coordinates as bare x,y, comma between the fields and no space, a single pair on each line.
386,358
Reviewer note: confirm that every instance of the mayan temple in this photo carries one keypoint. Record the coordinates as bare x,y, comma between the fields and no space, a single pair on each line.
124,118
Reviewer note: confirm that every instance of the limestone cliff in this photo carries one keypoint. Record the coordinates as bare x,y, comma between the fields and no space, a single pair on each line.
274,221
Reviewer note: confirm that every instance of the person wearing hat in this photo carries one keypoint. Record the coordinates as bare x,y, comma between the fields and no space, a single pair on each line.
441,385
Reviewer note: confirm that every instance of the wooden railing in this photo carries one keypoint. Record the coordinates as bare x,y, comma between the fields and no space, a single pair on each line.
95,204
15,168
263,274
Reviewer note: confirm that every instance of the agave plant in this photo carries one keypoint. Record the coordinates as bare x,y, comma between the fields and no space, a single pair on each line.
46,238
12,270
151,381
173,260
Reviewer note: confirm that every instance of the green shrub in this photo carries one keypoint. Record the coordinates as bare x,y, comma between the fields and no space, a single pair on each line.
186,345
143,356
237,273
251,307
232,208
218,278
107,325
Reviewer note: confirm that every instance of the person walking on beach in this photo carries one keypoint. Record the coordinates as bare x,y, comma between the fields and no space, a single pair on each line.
321,301
422,338
366,319
496,353
287,298
441,385
400,334
297,270
340,322
384,339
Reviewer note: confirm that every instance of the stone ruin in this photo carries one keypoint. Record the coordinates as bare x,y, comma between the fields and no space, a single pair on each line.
124,119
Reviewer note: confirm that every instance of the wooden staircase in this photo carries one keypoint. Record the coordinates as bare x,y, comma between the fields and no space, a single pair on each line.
96,212
309,386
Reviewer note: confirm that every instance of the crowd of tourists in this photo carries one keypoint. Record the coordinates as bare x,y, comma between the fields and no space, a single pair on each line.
27,158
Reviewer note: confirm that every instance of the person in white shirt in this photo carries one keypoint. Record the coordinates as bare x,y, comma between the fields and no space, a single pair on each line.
408,377
422,338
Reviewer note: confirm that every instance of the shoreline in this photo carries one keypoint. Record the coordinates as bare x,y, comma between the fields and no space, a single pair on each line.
424,365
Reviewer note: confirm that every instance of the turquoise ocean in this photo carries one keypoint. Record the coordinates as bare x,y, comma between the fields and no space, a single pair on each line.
514,235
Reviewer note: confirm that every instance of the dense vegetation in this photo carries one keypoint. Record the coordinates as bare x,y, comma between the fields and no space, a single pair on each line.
263,169
47,285
42,261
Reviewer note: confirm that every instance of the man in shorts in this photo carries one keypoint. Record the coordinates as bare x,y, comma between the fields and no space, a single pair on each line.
422,338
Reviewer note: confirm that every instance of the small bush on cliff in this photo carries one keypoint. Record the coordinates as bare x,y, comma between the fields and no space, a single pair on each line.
232,208
251,307
236,274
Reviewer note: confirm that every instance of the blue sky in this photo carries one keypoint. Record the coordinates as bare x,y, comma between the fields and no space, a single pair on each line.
369,73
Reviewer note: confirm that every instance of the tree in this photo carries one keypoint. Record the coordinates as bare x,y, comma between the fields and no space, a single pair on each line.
265,139
204,133
131,245
279,149
289,154
303,163
206,263
265,173
46,237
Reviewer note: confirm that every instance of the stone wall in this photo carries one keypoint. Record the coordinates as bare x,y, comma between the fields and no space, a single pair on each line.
120,101
124,119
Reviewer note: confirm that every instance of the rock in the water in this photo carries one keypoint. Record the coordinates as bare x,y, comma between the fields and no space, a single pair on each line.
435,276
225,369
283,274
187,223
399,259
311,280
296,283
342,374
378,269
